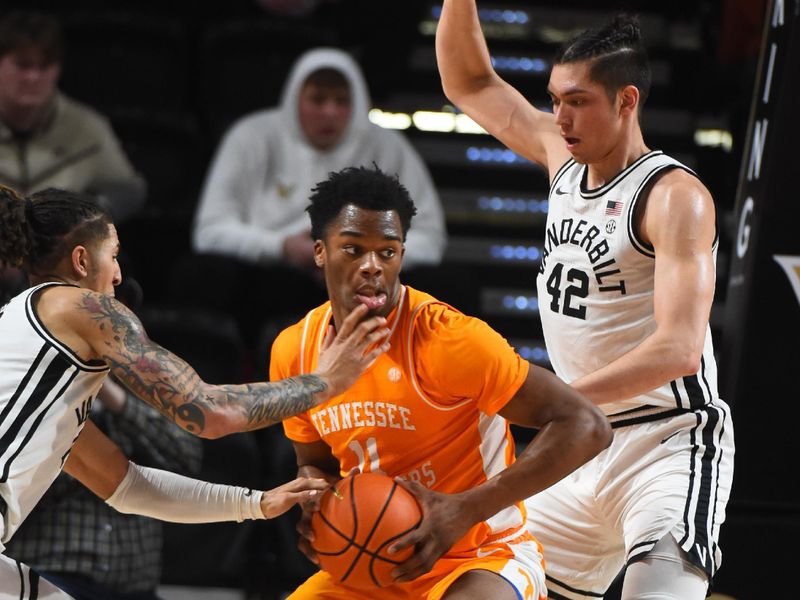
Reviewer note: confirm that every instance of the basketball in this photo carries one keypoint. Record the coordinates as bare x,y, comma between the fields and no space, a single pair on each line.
354,529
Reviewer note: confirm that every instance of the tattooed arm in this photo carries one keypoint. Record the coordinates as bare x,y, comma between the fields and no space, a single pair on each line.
165,381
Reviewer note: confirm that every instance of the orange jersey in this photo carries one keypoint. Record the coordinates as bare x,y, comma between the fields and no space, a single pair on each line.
426,410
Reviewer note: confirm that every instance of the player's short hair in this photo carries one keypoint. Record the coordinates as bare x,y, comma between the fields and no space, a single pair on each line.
327,77
368,188
39,231
20,30
616,55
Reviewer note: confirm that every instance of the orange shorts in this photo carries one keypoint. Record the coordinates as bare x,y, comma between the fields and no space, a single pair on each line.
518,561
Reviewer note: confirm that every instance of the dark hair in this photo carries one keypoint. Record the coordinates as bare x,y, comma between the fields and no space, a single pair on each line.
39,231
616,53
21,30
327,77
367,188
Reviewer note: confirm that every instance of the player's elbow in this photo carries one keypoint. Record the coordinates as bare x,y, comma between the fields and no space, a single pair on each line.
679,353
206,417
684,359
220,424
460,89
688,363
596,431
453,91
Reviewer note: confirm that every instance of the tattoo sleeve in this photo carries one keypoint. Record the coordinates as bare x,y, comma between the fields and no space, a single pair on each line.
172,386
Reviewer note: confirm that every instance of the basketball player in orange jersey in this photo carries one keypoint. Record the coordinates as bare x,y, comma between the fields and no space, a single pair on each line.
625,288
434,410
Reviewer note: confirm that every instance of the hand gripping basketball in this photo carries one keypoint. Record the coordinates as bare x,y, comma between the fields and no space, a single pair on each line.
348,352
447,518
357,521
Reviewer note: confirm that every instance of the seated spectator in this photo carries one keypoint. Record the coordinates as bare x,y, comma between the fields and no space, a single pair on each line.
46,138
49,140
252,210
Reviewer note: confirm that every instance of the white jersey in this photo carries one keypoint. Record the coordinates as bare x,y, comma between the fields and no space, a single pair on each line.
46,393
596,282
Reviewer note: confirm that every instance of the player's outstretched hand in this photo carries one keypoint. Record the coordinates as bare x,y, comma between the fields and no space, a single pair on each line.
348,352
277,501
306,537
445,519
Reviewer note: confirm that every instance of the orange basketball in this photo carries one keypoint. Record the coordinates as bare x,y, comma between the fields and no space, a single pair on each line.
352,533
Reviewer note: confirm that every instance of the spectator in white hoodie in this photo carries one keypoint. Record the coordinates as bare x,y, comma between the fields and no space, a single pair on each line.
252,210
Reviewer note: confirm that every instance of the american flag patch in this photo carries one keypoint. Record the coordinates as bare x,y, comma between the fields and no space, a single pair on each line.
613,208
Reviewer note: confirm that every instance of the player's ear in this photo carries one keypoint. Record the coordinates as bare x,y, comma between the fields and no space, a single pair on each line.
80,259
629,99
319,253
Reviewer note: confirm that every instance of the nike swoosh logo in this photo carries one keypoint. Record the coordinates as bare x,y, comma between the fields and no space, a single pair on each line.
669,437
560,192
482,553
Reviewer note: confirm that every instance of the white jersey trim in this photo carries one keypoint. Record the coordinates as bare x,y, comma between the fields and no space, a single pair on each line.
588,194
560,173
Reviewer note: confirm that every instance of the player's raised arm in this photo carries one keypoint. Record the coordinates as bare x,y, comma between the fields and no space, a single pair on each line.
471,83
172,386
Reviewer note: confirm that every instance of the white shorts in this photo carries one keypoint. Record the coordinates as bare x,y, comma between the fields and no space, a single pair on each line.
19,582
668,476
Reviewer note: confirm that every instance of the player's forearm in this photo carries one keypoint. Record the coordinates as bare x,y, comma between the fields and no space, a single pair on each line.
655,362
559,448
212,411
246,407
170,497
461,52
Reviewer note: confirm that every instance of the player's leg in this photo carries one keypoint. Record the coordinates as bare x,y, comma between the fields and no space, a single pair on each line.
19,582
683,466
666,573
583,551
321,586
502,571
480,584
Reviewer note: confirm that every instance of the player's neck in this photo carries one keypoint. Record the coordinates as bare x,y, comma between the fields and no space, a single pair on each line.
624,154
53,278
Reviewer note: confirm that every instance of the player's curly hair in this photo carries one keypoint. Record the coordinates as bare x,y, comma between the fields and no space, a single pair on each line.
368,188
40,230
616,54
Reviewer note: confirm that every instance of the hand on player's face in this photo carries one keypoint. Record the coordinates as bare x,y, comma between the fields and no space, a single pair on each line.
347,353
442,526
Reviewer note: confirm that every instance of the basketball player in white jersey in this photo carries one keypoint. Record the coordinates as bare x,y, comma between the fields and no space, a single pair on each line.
625,290
59,340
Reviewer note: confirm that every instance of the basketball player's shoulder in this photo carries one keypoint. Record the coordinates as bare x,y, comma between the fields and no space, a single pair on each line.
434,320
677,187
71,305
428,312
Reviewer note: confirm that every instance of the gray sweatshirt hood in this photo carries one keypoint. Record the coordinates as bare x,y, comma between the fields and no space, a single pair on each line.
320,58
